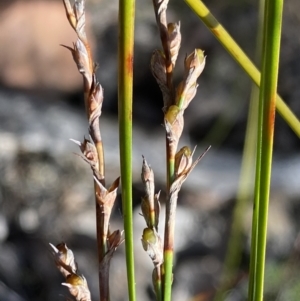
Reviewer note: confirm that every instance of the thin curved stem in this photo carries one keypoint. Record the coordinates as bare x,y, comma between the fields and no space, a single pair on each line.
241,58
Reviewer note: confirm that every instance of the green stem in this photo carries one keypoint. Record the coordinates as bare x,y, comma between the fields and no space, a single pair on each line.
242,59
252,269
158,283
125,81
171,205
169,228
270,63
168,277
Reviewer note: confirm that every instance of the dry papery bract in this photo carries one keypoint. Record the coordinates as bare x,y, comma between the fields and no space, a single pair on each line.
65,262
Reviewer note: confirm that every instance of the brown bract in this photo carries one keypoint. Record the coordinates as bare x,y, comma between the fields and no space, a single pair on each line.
78,287
76,17
183,160
174,40
82,60
95,100
174,124
89,153
152,244
186,90
65,262
147,176
64,259
150,202
106,199
158,69
185,169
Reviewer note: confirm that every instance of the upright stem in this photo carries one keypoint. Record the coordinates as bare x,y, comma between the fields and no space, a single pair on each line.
169,227
125,57
101,236
104,282
100,151
158,284
162,23
169,248
270,59
170,165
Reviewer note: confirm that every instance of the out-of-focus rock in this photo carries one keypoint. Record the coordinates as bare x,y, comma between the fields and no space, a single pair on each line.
31,58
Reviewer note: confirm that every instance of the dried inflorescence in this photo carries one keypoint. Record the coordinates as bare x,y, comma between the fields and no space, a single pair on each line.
89,153
152,244
65,262
150,209
159,71
193,67
183,167
179,163
93,91
151,241
105,199
78,287
177,99
93,154
150,202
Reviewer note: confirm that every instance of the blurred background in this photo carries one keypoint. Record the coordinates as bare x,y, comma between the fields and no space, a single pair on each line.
46,192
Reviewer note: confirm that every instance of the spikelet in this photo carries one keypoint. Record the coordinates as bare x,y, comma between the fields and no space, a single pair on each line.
65,262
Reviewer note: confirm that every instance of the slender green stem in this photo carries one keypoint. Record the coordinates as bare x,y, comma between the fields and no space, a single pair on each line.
168,268
169,227
252,269
126,52
270,59
171,205
242,59
170,166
